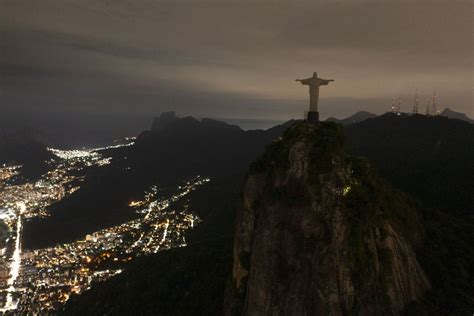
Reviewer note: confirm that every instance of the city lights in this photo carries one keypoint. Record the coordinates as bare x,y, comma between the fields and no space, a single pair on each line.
43,280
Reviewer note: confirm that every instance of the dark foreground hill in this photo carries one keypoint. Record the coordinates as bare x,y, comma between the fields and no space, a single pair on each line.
432,158
318,233
192,280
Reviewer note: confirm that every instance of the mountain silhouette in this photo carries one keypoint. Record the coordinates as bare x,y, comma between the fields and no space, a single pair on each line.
456,115
174,149
319,233
25,147
429,158
355,118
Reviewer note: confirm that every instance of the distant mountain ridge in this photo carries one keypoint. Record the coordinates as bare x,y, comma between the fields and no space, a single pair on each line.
167,119
364,115
456,115
354,118
25,147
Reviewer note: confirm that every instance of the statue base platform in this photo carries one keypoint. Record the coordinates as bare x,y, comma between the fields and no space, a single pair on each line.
313,117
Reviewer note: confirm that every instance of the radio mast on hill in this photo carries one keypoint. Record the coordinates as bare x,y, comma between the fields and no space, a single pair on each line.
428,107
434,105
393,109
415,106
399,105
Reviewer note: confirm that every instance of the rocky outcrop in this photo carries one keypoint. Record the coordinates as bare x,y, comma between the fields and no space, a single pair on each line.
318,233
161,122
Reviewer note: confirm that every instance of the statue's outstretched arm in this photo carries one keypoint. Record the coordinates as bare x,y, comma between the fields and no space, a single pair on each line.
324,82
303,81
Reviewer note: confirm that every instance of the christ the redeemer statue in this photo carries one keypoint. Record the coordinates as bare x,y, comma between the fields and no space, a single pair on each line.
314,82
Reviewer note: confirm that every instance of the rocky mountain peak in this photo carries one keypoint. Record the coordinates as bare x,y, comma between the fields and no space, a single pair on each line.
165,119
319,233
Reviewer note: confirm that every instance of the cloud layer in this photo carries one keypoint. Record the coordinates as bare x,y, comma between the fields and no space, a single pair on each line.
231,58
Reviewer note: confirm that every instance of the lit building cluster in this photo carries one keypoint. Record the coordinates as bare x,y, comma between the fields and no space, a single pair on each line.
51,275
39,281
7,172
91,156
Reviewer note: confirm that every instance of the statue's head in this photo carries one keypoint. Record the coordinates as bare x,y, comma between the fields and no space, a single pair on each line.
315,75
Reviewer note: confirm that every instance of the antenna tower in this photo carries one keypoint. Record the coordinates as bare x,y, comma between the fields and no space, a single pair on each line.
415,106
434,105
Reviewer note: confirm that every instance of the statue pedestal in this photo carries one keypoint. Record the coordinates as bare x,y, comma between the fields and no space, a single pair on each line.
313,117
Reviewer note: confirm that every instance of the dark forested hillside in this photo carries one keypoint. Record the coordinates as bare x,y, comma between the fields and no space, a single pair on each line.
182,281
318,233
430,158
176,149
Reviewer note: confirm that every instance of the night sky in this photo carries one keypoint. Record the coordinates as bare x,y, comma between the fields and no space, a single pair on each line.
120,62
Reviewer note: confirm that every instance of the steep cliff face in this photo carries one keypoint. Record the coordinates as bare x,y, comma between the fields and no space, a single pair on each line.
318,233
